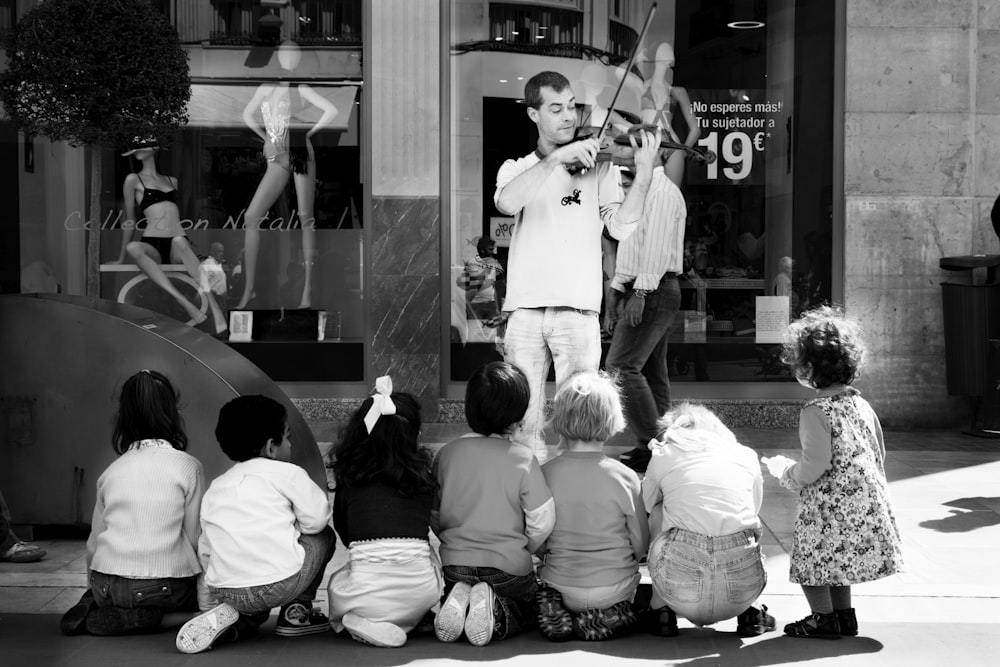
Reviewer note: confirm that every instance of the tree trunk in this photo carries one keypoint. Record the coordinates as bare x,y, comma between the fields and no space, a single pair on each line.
94,233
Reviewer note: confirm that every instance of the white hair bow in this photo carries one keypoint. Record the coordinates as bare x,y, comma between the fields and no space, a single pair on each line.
381,402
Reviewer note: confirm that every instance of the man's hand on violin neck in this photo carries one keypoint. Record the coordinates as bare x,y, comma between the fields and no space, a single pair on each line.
580,154
646,149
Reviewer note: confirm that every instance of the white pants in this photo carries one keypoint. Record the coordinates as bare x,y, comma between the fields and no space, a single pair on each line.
537,338
387,581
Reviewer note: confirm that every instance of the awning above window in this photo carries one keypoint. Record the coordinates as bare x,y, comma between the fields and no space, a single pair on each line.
222,105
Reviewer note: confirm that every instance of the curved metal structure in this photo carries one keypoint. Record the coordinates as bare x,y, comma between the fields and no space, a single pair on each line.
62,362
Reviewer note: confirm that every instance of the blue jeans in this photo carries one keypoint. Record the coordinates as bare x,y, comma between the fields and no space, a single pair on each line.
515,593
639,355
579,598
7,536
167,594
254,601
537,338
706,579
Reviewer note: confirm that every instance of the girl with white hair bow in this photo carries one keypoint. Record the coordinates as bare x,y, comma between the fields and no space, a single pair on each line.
382,511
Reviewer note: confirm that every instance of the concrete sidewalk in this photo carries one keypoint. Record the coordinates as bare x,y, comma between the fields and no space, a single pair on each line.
944,609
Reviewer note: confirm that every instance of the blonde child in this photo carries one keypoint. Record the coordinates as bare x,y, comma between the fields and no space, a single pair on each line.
382,512
591,559
704,491
492,511
845,532
141,553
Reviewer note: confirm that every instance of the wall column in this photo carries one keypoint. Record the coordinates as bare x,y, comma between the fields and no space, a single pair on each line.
403,285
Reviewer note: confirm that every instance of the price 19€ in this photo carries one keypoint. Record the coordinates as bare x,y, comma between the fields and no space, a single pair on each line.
736,151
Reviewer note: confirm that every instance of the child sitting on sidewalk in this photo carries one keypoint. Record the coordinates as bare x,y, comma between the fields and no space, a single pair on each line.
141,557
591,568
382,511
704,490
493,510
265,538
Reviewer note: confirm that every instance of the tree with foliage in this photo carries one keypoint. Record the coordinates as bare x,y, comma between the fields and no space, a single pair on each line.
98,73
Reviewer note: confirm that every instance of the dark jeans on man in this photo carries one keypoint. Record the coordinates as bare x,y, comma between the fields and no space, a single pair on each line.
515,594
639,355
7,536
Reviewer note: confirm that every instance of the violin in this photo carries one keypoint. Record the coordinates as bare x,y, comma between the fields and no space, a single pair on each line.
617,149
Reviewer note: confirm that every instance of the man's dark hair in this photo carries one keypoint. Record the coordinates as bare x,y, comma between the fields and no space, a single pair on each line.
533,89
246,423
496,398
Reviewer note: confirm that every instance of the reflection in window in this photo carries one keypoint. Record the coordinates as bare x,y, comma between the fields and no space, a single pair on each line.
219,165
758,228
328,21
541,26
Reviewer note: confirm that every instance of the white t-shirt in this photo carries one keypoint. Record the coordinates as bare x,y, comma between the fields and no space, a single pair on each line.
251,519
555,248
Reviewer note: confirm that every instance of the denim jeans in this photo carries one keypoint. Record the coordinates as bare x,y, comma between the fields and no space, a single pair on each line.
537,338
579,598
167,594
639,355
516,594
301,587
706,579
7,536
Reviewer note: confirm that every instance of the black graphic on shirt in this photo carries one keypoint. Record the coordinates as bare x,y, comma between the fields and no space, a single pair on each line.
572,199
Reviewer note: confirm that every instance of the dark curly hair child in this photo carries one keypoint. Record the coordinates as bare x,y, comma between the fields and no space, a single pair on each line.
845,531
382,511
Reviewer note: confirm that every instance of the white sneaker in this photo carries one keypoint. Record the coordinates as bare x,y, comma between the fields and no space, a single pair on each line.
374,632
200,632
450,621
479,623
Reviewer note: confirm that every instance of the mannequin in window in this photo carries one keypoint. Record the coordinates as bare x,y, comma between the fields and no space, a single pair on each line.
289,153
658,100
598,93
163,240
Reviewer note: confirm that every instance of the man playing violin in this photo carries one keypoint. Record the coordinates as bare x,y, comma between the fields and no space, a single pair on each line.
562,199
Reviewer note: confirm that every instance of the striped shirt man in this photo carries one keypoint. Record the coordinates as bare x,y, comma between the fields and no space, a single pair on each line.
657,246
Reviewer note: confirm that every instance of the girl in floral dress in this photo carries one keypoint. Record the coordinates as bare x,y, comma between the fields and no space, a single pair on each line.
845,531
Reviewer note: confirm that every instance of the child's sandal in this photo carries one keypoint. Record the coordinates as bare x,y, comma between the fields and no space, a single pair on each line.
848,622
815,626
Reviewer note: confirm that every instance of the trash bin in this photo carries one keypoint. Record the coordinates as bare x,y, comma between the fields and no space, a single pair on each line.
971,306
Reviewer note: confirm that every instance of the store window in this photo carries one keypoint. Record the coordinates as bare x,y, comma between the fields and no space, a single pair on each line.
273,135
757,180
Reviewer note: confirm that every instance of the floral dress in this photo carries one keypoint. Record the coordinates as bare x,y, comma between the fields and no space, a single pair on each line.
845,532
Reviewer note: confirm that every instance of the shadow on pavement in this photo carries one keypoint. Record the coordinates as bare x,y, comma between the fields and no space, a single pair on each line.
34,639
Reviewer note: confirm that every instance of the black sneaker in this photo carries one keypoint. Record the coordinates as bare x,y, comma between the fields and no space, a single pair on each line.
754,622
815,626
848,622
661,622
554,622
297,619
599,624
74,621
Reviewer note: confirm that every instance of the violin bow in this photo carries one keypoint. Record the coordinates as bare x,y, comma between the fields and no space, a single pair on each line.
628,69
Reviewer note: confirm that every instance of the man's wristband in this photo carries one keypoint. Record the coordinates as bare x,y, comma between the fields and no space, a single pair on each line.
641,293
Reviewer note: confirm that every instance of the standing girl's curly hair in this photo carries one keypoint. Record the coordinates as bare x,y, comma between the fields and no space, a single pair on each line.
824,347
390,454
147,410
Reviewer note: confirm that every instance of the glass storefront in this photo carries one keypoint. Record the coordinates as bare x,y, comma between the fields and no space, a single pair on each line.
273,141
747,85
